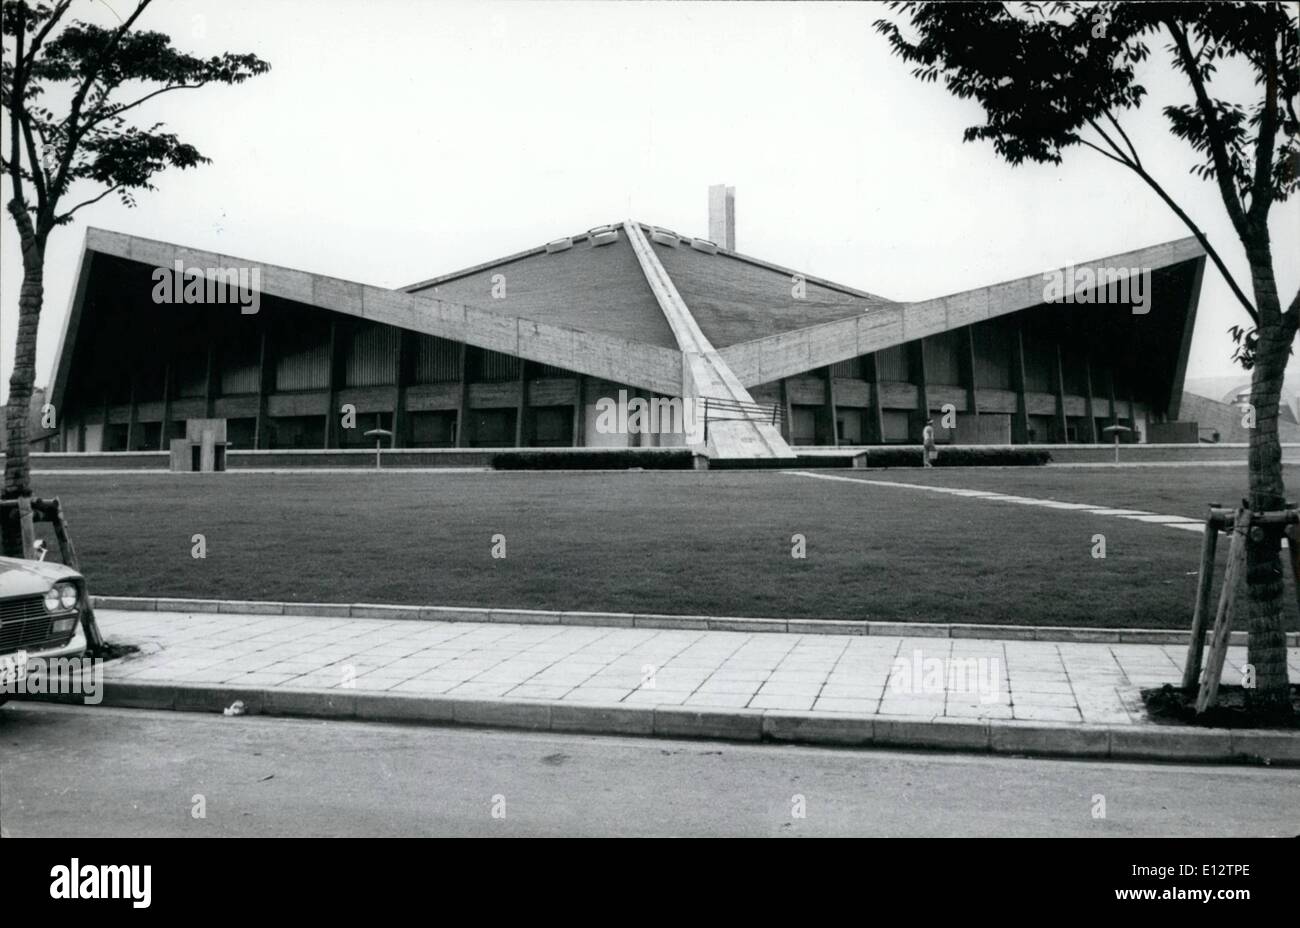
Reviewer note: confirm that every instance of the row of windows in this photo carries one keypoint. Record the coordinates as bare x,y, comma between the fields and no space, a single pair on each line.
948,354
552,426
808,427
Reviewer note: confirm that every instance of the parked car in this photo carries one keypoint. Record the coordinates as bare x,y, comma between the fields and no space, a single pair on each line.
40,615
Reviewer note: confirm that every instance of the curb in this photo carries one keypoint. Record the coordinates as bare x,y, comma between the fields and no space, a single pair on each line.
1035,739
662,621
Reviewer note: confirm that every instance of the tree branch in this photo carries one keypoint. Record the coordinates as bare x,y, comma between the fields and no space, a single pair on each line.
1201,237
17,99
1103,152
95,118
1205,243
75,131
1213,135
37,167
68,215
1123,158
1127,140
1261,195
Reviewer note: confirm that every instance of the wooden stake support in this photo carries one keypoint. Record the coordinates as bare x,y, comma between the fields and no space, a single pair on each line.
1204,587
1223,618
1241,523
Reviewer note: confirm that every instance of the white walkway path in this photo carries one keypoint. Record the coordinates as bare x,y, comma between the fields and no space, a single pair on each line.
1138,515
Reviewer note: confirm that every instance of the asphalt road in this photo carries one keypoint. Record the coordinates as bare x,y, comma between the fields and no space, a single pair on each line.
70,771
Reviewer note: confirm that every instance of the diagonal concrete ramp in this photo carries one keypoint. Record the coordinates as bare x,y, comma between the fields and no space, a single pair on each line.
704,373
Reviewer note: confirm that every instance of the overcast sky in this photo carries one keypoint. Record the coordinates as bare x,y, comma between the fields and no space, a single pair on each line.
394,140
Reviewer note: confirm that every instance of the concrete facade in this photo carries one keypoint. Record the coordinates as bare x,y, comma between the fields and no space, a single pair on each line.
534,349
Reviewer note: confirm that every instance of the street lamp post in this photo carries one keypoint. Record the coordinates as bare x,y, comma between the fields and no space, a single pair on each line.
1113,429
378,435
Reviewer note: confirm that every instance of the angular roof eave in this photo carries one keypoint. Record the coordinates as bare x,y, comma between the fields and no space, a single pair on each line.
770,358
636,364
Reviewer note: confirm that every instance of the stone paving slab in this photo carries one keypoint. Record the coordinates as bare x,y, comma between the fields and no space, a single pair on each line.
921,678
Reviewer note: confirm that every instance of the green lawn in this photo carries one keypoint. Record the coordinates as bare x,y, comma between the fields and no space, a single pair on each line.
686,542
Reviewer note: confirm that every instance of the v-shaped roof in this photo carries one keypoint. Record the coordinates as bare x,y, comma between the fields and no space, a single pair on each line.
600,288
591,308
594,288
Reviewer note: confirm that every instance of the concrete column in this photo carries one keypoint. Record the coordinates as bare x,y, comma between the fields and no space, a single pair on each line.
464,394
580,411
404,355
1110,381
521,413
103,431
165,428
334,418
1020,421
1062,424
212,384
787,414
834,430
1132,407
1090,434
968,377
875,426
131,426
920,380
265,384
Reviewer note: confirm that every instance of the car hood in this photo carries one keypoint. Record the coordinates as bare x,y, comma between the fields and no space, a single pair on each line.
23,578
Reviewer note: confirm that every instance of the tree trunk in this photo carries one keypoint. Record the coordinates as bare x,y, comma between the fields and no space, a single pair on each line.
18,478
1266,651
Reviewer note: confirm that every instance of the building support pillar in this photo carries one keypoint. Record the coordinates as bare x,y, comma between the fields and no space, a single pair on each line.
580,411
875,426
212,382
521,412
968,378
404,355
1090,434
787,412
1020,421
165,427
1114,408
1062,423
1132,407
920,380
103,430
337,372
828,372
265,383
131,425
463,396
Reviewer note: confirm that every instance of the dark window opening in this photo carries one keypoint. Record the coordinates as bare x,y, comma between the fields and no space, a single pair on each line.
431,429
552,427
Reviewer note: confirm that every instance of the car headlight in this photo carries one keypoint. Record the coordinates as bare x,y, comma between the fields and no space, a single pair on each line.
61,597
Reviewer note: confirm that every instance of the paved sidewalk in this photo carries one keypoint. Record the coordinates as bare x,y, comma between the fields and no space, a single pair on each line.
817,674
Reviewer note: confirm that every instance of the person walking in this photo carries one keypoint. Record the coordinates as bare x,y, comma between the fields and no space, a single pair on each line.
927,437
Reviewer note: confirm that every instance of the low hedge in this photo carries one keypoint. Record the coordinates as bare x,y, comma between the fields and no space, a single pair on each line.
596,459
959,457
